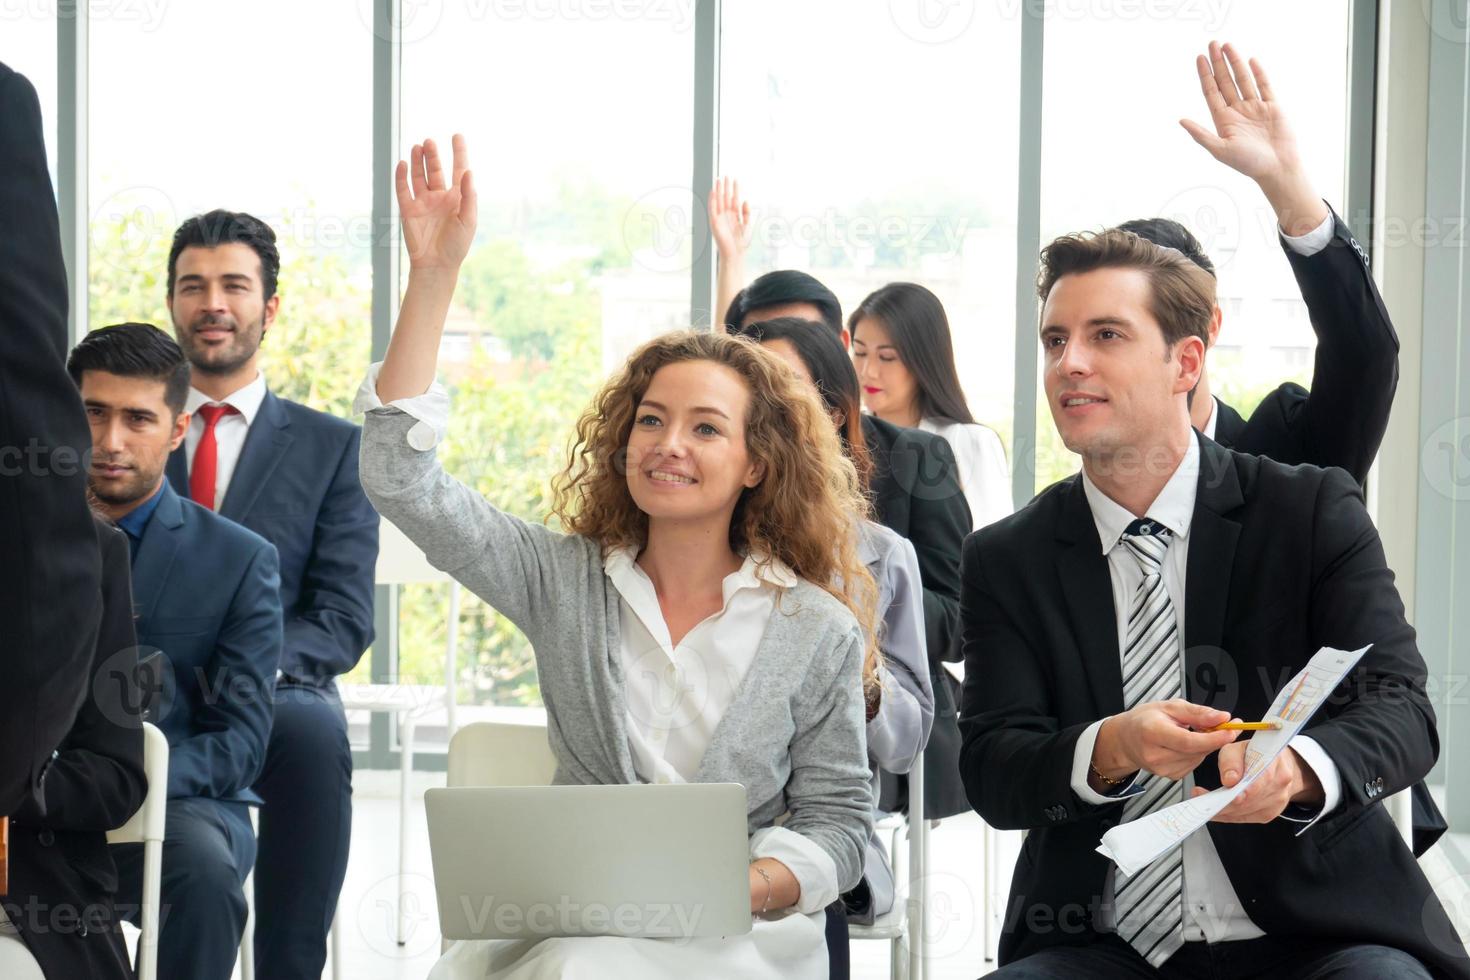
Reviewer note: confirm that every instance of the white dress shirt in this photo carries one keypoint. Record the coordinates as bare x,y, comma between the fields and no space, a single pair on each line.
677,694
229,431
1212,910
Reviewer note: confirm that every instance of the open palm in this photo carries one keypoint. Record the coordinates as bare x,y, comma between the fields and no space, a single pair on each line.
438,216
1251,132
729,219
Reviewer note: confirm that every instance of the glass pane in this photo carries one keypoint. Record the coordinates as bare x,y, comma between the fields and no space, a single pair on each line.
584,249
1115,88
28,45
877,143
177,130
181,125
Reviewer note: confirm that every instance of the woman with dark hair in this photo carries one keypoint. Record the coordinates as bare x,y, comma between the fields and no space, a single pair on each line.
705,530
899,724
904,357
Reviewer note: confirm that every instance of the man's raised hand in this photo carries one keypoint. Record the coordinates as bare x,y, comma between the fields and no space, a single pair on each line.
729,220
1251,135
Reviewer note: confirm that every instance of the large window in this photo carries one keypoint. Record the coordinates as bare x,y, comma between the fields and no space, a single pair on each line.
877,143
1116,83
579,127
196,110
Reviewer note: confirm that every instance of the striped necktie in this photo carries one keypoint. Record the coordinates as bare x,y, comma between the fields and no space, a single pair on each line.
1150,905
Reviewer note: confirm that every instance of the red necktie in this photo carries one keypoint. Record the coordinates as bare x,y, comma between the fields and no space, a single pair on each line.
206,456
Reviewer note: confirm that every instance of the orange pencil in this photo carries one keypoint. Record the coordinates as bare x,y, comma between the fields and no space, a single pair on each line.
1247,726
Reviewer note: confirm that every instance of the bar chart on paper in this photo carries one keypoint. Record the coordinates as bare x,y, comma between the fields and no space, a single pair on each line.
1135,845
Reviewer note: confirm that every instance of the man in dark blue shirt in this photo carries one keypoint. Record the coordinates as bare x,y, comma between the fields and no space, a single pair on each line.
207,597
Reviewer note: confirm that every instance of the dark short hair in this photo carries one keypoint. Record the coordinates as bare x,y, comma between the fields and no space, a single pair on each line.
832,370
1181,294
134,350
1171,234
780,288
220,227
914,320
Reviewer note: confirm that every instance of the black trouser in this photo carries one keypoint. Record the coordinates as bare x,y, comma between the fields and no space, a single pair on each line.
305,832
838,963
1267,958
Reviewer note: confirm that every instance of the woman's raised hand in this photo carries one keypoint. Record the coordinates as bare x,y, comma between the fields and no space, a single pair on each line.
438,217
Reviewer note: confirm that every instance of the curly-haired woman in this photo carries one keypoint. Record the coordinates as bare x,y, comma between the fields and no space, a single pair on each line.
706,521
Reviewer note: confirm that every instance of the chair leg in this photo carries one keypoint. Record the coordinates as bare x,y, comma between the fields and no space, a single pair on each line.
247,937
335,937
405,749
148,917
987,897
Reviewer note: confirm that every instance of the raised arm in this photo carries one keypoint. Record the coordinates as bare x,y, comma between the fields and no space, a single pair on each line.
439,220
514,565
731,227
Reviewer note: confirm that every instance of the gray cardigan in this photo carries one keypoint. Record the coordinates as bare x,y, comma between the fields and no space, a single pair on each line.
794,735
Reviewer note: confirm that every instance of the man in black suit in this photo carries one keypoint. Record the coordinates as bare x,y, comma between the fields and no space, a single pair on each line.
50,575
62,878
288,473
1126,611
1341,421
916,492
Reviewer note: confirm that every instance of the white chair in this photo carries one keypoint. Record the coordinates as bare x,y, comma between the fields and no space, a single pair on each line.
495,753
492,753
146,828
904,925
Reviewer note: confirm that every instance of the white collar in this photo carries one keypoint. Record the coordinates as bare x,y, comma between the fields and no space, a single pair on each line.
1210,423
245,400
1173,507
621,566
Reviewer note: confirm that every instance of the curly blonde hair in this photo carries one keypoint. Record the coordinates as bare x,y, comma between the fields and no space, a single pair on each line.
804,512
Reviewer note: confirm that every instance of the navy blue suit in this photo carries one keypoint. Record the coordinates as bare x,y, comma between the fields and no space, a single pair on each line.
296,485
207,597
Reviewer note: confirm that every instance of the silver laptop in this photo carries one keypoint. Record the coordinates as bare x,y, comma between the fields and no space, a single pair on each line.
528,862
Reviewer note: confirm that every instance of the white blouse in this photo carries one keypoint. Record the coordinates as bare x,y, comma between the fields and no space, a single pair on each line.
677,694
985,476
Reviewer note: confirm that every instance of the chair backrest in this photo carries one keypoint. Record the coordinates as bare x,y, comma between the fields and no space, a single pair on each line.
147,823
492,753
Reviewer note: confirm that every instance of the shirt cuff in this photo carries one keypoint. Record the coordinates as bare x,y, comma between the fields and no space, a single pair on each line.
1082,760
1321,764
431,409
1313,241
813,867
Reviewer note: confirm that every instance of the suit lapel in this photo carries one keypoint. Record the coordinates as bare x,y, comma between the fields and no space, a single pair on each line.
265,444
156,553
1087,588
1212,538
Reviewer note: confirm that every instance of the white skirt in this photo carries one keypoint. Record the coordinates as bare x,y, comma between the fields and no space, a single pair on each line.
789,946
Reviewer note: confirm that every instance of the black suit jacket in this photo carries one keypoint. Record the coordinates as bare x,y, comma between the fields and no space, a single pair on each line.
1341,421
49,573
916,492
62,878
296,485
1282,561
